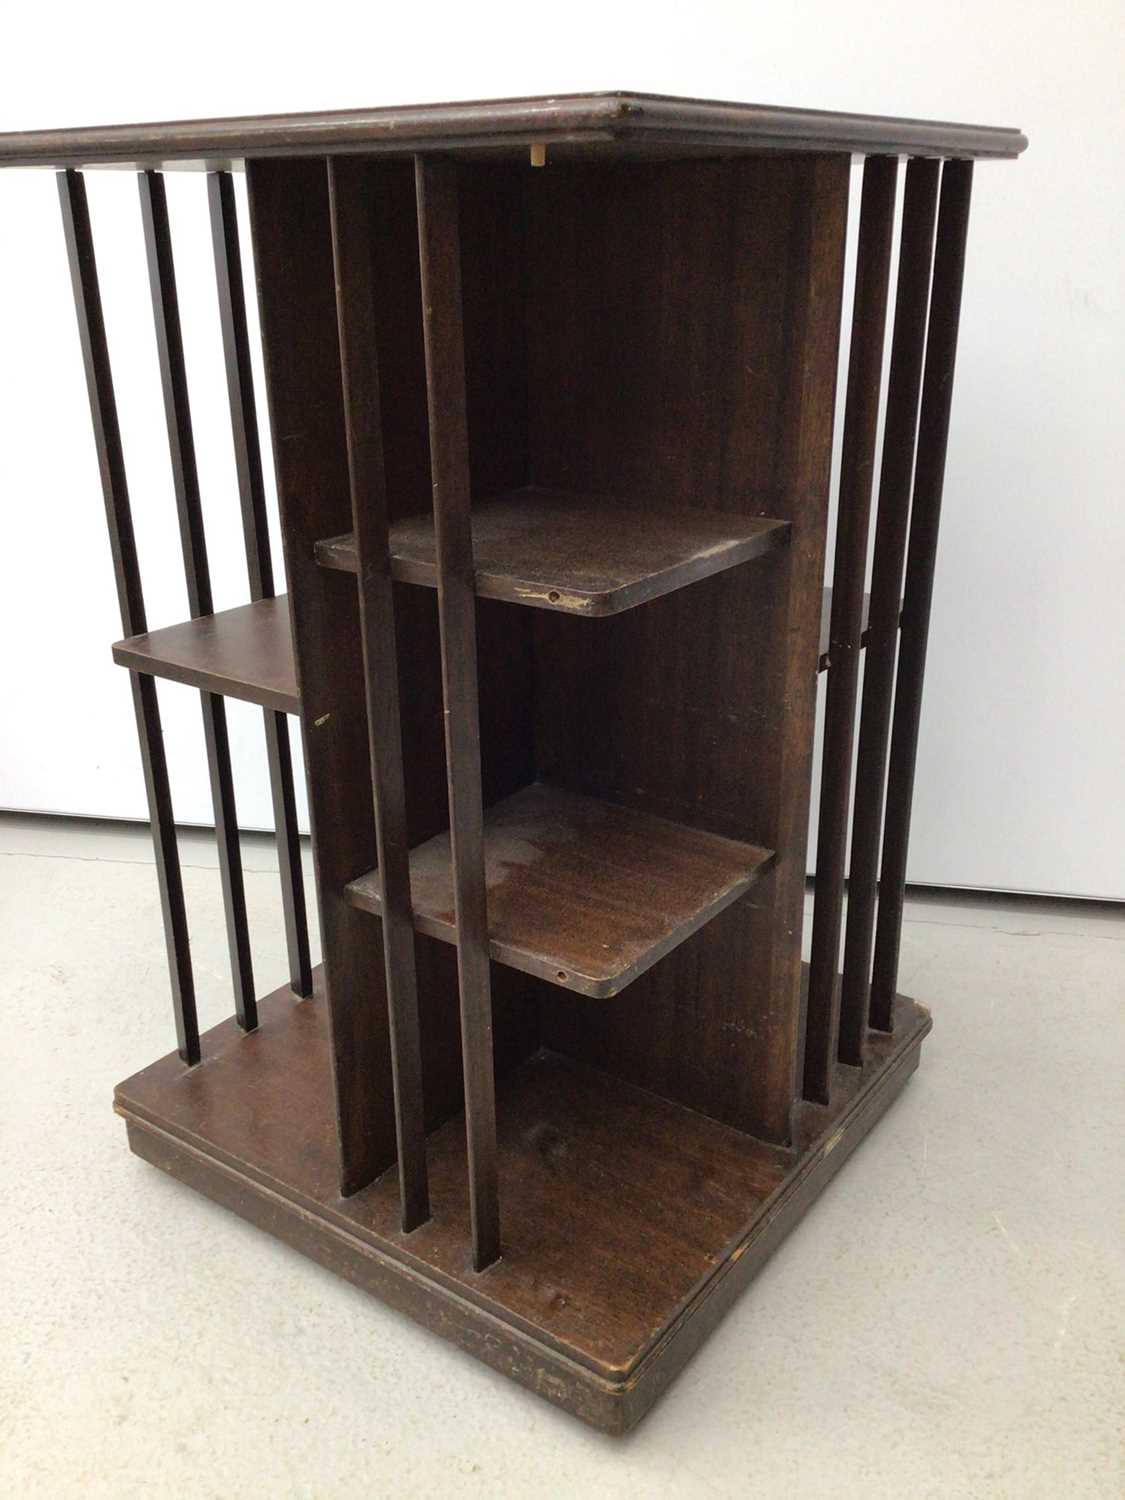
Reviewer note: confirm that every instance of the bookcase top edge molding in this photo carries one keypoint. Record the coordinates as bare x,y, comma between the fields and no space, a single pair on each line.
613,123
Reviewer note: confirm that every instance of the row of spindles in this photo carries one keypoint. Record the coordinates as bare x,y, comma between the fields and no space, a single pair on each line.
441,317
185,480
841,1007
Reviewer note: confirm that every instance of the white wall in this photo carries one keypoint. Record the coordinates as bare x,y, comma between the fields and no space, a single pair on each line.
1023,736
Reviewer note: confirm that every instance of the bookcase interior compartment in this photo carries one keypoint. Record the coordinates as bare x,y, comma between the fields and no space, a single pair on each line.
623,341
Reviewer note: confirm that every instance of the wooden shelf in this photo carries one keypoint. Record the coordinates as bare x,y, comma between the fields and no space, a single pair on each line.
582,893
248,652
242,653
579,554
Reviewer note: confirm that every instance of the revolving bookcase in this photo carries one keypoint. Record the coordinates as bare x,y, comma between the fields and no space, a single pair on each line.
552,388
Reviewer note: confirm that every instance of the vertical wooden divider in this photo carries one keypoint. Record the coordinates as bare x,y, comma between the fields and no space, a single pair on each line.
929,476
919,211
181,445
259,565
130,598
865,367
352,251
292,241
440,253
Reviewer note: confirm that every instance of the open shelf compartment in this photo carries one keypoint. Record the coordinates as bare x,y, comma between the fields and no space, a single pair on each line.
582,893
579,554
242,653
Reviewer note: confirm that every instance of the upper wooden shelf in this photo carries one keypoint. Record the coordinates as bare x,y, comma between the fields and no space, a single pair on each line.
617,123
579,554
242,653
582,893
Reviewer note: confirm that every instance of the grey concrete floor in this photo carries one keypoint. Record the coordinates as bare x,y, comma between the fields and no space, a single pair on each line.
946,1322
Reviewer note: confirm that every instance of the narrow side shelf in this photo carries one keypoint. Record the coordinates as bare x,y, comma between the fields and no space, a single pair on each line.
579,554
247,652
582,893
242,653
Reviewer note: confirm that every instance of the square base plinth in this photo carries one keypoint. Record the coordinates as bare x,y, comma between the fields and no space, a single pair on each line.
629,1223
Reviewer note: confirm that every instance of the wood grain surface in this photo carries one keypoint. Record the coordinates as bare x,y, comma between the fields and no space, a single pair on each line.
581,893
578,554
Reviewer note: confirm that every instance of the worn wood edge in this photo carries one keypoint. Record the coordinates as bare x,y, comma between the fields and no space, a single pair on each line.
395,1254
125,655
362,893
332,554
613,1404
658,1366
479,1332
337,553
614,117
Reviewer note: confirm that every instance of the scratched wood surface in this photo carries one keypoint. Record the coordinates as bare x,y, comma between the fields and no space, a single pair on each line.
617,123
579,554
663,1202
581,893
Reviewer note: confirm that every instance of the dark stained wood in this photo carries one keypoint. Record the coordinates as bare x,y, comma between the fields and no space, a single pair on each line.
673,1211
293,262
173,382
925,517
291,232
857,466
826,627
240,383
189,511
581,893
440,258
245,652
355,310
130,598
904,385
629,359
259,564
701,303
279,760
592,122
578,554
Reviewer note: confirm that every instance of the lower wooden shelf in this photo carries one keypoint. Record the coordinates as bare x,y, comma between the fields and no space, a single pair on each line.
629,1223
242,653
582,893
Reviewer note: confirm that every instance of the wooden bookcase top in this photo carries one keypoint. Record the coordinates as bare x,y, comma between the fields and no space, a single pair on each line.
616,123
